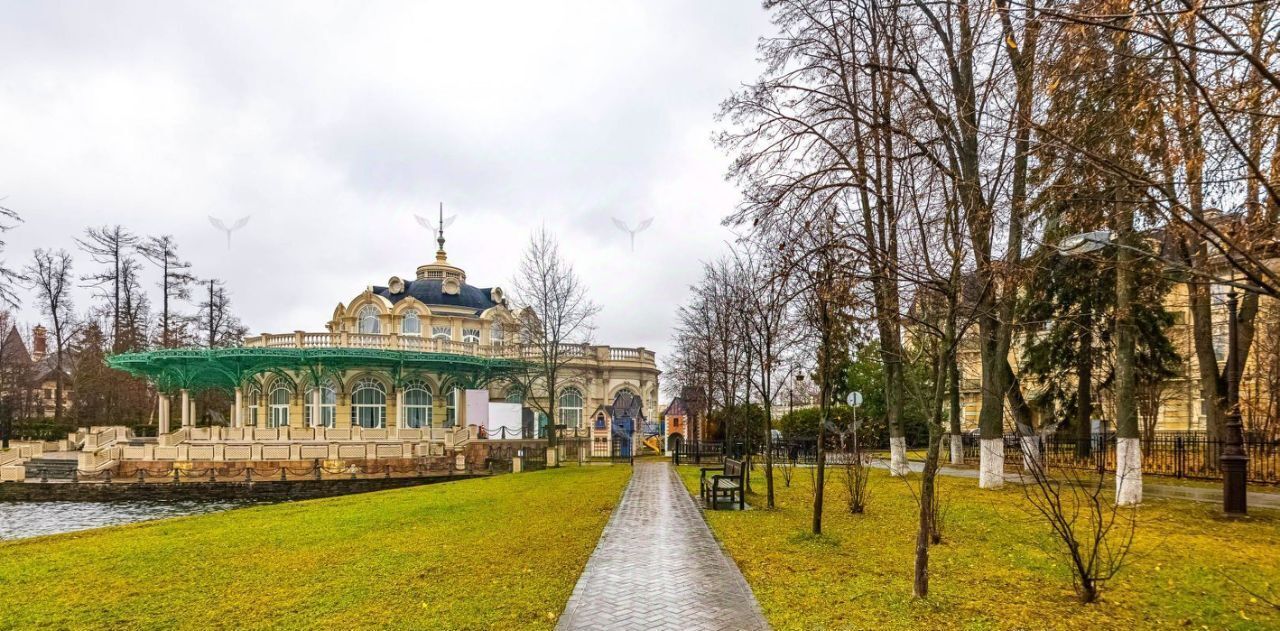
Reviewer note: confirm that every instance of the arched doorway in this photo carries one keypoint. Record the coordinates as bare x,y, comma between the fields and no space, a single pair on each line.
674,441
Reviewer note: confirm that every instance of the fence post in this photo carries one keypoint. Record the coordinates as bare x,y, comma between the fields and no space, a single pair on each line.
1179,462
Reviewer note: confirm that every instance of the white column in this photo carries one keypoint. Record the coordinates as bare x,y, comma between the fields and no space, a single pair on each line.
399,408
163,418
186,408
317,415
237,413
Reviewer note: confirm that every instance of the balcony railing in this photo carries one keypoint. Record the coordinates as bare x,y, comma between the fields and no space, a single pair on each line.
303,339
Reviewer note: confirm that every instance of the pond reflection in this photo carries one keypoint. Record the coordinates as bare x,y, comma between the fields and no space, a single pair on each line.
29,519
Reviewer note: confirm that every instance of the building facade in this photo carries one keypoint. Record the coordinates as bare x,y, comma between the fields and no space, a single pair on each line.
412,358
1177,405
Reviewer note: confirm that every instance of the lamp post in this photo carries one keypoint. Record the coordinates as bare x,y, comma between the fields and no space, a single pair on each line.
1234,459
1235,462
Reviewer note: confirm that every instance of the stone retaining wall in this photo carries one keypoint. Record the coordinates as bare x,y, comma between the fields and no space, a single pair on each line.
271,491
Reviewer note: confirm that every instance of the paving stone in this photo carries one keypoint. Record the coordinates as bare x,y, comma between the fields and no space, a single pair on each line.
658,567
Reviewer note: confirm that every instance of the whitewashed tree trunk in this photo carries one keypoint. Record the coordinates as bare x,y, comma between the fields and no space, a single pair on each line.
1030,452
898,456
991,464
1128,472
957,449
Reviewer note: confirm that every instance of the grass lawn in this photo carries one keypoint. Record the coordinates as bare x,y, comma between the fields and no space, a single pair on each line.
501,552
998,567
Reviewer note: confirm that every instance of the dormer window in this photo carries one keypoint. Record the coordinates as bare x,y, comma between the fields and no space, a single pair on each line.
368,319
412,324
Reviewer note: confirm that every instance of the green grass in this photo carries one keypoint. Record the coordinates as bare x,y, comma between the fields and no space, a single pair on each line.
500,552
998,567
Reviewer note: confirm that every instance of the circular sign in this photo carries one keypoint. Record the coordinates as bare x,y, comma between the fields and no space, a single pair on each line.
854,399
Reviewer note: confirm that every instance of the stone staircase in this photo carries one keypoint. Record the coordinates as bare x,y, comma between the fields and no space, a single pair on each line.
55,466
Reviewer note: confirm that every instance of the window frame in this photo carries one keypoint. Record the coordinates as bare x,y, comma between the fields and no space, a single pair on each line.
425,421
359,409
411,316
278,413
372,314
328,411
561,408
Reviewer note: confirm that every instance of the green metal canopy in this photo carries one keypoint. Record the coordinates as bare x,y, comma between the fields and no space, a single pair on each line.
228,368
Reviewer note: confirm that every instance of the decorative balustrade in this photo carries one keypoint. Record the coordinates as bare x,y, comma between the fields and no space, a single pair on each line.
302,339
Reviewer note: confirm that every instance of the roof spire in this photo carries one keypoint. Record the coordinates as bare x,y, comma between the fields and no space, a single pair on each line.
440,255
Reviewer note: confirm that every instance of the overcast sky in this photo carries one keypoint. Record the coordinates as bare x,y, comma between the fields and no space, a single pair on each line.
331,125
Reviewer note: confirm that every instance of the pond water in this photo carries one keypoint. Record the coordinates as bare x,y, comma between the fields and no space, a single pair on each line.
29,519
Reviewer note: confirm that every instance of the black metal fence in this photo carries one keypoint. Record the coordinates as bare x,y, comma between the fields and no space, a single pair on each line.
1192,455
698,452
534,458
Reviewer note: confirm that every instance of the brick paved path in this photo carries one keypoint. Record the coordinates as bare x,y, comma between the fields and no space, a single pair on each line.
658,567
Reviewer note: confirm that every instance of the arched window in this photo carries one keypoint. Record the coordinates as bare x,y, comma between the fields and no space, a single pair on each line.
417,404
626,390
444,332
328,405
571,407
255,400
412,325
471,336
514,395
450,406
279,405
369,404
496,334
368,319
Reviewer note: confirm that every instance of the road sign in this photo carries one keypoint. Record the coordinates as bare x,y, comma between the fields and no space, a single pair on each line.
854,399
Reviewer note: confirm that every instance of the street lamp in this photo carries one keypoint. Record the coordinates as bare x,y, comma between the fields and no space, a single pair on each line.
1235,462
1234,459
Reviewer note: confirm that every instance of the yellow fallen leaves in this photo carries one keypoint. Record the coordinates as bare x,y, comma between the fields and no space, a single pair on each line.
999,567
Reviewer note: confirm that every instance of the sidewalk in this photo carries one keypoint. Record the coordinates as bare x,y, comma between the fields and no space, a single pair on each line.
658,567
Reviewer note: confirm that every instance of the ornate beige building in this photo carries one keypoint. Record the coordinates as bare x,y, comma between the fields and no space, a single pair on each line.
423,364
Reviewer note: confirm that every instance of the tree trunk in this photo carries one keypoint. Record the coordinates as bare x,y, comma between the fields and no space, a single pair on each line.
1128,448
1084,391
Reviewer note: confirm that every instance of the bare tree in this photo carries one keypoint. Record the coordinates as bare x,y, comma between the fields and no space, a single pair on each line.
49,274
219,325
109,246
8,276
175,284
1092,532
764,293
556,320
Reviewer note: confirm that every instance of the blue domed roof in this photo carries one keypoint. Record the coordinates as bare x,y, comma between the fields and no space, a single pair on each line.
430,292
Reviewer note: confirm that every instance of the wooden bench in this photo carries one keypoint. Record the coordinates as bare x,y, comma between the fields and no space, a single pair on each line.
724,482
